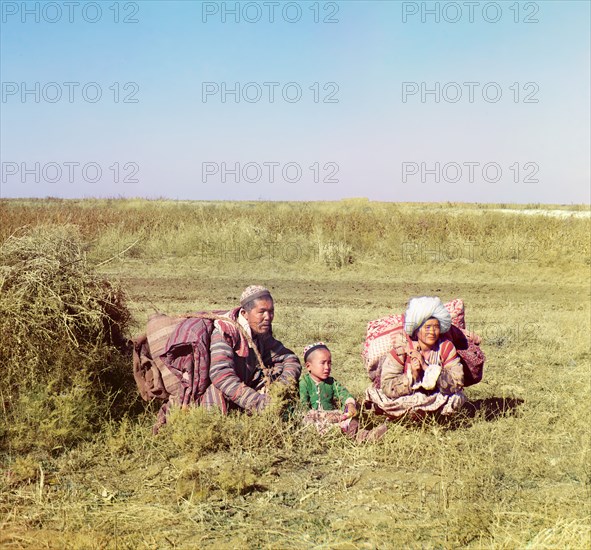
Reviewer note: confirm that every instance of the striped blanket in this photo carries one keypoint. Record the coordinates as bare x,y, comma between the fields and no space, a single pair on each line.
171,359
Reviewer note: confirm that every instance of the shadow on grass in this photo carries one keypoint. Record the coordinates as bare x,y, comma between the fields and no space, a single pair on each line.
492,408
488,409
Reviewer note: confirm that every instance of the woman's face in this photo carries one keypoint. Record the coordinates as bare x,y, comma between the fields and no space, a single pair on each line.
428,334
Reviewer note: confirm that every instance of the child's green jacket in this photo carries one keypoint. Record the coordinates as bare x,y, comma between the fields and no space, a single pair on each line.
327,395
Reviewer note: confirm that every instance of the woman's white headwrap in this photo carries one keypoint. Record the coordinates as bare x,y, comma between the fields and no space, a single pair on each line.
421,309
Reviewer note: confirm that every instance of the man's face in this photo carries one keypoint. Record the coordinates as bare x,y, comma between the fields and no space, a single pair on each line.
260,317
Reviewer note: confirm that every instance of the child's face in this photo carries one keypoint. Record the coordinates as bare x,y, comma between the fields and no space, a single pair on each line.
318,364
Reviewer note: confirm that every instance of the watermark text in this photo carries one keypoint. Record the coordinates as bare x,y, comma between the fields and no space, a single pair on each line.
69,172
269,92
69,92
469,12
270,12
469,92
424,253
469,172
70,12
268,172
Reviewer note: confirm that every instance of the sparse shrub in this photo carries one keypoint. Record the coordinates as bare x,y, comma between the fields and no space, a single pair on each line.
23,469
335,254
198,432
42,416
222,473
468,523
226,456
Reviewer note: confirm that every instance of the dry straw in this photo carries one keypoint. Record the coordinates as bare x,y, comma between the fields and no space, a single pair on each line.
60,326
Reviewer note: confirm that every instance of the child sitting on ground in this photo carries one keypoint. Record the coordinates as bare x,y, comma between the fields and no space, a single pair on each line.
329,401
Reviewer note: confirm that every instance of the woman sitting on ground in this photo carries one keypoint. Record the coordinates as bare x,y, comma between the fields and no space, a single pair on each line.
423,372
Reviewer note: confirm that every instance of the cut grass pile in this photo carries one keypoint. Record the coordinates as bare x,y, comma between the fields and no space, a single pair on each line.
61,327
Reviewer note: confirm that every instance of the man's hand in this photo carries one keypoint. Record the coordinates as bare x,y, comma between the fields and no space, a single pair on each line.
262,403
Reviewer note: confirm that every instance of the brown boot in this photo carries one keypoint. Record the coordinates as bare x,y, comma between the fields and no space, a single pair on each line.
369,436
352,428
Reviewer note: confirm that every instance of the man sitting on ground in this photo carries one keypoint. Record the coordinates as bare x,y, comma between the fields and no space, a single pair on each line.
237,379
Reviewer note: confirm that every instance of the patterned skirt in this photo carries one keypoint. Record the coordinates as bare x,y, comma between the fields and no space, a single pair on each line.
326,420
416,404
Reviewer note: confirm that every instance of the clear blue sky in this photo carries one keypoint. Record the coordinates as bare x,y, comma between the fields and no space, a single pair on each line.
370,141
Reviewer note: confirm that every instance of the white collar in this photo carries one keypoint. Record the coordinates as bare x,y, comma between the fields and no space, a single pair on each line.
244,324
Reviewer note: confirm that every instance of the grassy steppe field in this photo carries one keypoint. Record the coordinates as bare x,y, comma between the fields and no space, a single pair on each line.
515,473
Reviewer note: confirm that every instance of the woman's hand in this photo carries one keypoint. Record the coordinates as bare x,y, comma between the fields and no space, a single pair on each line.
417,364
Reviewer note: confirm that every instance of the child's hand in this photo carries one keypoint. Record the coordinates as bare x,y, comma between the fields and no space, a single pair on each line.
350,411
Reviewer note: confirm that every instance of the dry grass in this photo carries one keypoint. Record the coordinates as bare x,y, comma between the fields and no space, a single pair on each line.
514,473
347,234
